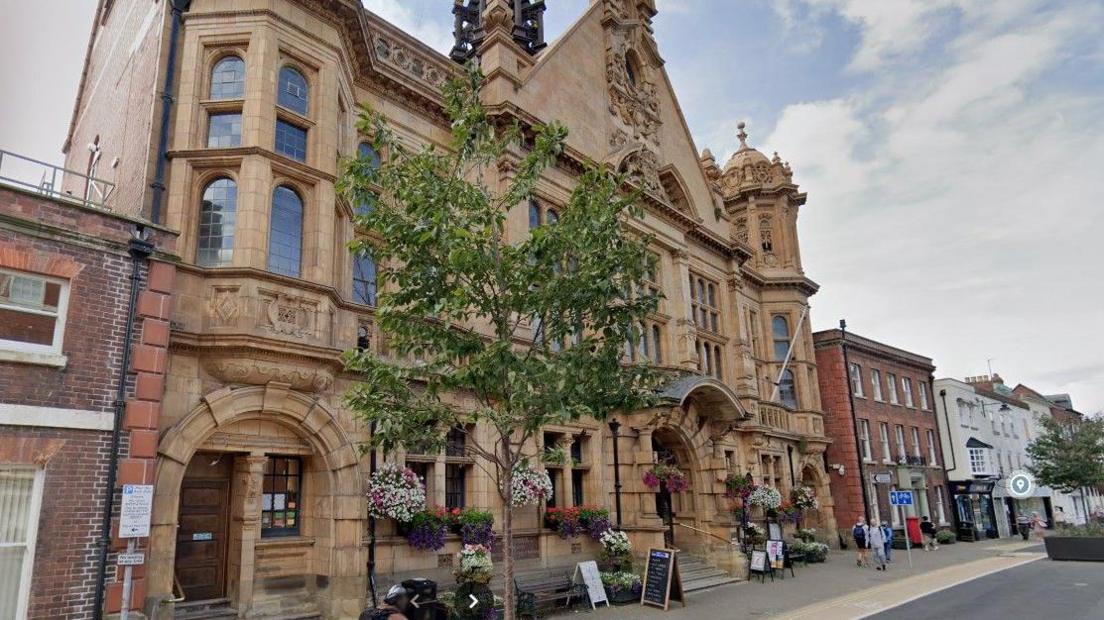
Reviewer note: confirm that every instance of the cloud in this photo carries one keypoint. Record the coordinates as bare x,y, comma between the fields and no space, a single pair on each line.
953,198
430,23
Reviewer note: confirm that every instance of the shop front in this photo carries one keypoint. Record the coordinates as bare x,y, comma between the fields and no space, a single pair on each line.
975,517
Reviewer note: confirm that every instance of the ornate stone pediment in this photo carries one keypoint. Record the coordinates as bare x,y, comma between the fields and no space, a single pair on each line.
249,368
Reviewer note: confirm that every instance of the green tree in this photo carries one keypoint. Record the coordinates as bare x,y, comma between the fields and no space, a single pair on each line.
1068,458
528,330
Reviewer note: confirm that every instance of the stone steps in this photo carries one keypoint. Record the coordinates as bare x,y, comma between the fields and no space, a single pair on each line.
700,575
214,609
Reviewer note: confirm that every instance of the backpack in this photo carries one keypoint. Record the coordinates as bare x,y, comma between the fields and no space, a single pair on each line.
859,533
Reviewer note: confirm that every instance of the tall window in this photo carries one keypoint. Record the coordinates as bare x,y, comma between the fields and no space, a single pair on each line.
292,91
285,243
704,308
864,438
20,501
454,485
367,151
224,130
939,504
931,449
657,346
916,442
291,140
924,402
228,78
780,334
901,451
906,387
753,329
876,384
883,431
787,391
855,373
32,312
217,217
577,487
364,279
540,215
280,496
891,383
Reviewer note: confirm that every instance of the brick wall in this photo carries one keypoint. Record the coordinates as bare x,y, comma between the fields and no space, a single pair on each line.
119,101
839,426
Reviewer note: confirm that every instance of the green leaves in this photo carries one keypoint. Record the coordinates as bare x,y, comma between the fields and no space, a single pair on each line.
519,331
1069,458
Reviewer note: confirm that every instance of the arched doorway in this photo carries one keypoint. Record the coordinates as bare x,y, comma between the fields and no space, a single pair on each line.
821,518
670,449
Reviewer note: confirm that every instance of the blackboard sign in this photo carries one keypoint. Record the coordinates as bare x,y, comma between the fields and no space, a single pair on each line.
662,582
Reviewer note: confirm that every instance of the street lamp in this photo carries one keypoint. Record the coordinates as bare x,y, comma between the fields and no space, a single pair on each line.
615,428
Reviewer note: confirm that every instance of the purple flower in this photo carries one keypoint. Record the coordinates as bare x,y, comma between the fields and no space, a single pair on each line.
426,537
478,534
598,526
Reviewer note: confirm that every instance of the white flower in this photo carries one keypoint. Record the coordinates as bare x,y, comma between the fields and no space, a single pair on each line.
615,542
766,497
529,486
395,492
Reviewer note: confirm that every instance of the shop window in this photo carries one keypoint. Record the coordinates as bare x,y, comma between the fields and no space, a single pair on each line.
32,312
455,476
293,91
20,501
285,243
280,497
217,219
228,78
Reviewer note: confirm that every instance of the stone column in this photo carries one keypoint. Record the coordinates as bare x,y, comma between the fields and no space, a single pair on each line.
245,526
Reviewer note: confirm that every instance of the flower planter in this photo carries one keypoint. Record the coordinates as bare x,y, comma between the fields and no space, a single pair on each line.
622,596
1075,548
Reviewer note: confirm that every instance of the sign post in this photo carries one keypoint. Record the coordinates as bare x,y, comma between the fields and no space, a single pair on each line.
134,523
595,590
903,498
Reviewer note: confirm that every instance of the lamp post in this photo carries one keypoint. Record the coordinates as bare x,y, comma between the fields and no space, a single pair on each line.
615,428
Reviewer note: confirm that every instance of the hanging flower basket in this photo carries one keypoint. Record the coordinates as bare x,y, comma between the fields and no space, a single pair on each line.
804,498
395,492
668,475
529,486
767,498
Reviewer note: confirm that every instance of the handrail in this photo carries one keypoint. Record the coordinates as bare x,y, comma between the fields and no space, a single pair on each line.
177,588
724,540
96,192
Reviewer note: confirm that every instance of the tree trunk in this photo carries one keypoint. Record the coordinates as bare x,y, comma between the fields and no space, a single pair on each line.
508,548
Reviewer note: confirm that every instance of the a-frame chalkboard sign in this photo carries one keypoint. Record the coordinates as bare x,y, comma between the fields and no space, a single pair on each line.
662,582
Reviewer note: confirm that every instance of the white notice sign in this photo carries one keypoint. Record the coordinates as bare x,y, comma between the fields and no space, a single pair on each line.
134,514
132,559
593,581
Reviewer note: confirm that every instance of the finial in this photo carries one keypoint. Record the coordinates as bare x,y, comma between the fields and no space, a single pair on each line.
776,159
742,135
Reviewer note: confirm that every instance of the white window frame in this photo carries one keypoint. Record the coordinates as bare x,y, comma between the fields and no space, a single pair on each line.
33,511
854,374
978,456
931,448
906,388
883,432
876,383
916,442
865,439
891,382
925,402
53,349
899,433
939,504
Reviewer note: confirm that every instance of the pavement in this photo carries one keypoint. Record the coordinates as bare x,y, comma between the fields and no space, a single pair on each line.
839,590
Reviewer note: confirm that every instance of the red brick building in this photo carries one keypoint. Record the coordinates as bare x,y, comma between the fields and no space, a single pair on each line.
880,415
65,286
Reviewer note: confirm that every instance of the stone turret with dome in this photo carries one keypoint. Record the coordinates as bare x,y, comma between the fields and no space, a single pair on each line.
750,169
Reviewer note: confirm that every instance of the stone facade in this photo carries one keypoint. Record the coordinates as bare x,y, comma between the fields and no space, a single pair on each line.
253,376
57,408
890,431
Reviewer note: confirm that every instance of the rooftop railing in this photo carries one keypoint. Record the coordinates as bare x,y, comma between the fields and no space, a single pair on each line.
49,180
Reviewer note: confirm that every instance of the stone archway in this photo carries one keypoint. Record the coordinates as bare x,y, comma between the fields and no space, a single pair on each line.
823,518
339,507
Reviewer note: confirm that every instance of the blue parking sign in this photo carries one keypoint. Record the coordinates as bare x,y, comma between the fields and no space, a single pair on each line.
900,498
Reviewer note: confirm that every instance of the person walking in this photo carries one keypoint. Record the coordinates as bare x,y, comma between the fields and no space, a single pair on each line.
1038,524
1023,525
887,536
877,543
861,534
927,528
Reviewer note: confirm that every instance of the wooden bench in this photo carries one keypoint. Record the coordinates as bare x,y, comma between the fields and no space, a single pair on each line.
537,591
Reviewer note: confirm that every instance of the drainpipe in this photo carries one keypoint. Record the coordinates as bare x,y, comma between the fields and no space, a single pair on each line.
854,418
158,184
372,525
139,250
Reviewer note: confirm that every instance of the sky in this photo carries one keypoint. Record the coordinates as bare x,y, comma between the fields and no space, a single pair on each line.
951,151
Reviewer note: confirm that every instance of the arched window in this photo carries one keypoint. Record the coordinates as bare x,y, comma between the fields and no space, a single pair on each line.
228,78
368,151
657,350
364,279
534,214
717,367
780,334
285,241
292,91
551,217
217,215
787,391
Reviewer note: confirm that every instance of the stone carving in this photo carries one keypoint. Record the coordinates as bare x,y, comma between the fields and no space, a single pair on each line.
223,306
291,316
410,62
642,169
633,96
742,230
259,372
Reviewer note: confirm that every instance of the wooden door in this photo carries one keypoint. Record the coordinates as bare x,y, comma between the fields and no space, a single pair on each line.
201,538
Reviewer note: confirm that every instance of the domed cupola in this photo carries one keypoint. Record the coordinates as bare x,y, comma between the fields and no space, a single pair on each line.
749,169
